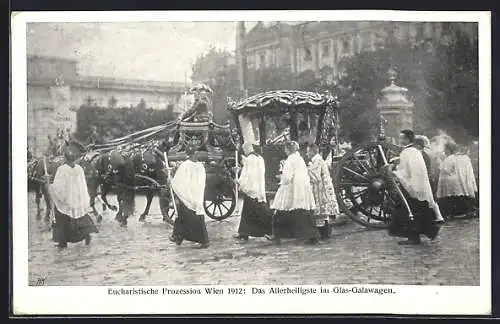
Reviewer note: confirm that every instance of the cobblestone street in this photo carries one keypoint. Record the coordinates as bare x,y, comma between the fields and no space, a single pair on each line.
141,254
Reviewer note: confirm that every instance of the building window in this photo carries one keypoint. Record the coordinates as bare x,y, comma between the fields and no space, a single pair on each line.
142,104
379,41
390,32
307,54
325,50
429,30
277,56
346,47
365,40
112,102
89,102
420,32
262,59
446,26
251,61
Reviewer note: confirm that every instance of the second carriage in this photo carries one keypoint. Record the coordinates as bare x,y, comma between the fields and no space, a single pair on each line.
215,145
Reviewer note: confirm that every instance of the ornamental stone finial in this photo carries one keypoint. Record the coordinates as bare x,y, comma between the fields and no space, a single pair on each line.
392,75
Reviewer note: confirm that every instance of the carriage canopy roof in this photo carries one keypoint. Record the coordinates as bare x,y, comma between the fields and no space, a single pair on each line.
280,99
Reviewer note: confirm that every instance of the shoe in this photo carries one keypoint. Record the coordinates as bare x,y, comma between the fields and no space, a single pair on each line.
177,241
61,246
270,237
203,246
409,242
88,238
312,241
240,237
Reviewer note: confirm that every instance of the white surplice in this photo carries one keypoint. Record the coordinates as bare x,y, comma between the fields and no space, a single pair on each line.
412,173
252,178
69,191
456,177
189,185
295,191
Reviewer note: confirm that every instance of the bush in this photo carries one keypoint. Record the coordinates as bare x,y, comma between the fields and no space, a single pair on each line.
110,123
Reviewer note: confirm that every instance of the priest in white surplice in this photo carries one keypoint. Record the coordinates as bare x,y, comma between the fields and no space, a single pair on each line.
457,188
256,217
294,201
412,174
71,202
188,185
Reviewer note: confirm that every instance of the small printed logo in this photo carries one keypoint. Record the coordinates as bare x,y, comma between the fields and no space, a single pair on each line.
38,280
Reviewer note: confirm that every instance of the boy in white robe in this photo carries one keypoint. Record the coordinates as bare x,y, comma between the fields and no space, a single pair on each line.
294,201
188,185
256,218
412,174
327,207
71,202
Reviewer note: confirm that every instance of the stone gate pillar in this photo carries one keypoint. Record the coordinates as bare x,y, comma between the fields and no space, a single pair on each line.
395,109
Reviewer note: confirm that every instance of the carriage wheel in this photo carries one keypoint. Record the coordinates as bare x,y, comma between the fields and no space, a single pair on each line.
221,207
360,185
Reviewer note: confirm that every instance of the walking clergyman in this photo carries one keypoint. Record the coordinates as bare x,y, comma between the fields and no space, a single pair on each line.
412,174
71,200
188,185
256,217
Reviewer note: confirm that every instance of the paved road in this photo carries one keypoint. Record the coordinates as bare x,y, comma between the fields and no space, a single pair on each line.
141,254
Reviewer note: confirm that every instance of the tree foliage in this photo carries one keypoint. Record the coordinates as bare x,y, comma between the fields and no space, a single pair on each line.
441,78
442,81
110,123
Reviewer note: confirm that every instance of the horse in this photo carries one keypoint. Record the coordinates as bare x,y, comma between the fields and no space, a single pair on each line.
123,180
149,162
99,174
36,171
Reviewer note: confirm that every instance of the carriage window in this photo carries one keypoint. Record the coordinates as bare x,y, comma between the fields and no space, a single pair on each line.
250,128
277,129
307,125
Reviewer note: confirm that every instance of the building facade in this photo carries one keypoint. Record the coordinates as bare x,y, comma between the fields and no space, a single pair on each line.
316,45
207,66
55,91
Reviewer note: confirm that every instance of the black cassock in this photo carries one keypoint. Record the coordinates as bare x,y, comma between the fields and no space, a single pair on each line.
189,226
256,218
424,218
71,230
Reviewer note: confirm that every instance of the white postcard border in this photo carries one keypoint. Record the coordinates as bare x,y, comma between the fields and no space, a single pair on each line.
95,300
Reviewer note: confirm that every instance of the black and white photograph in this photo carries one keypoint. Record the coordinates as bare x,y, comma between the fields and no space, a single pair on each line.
212,162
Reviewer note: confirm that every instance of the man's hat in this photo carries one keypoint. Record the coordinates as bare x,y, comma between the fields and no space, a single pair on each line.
424,141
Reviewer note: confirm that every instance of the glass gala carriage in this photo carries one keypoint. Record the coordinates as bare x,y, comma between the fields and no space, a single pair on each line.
270,118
